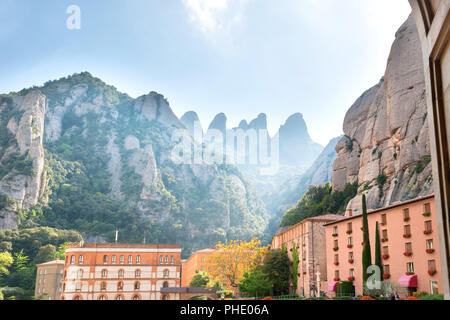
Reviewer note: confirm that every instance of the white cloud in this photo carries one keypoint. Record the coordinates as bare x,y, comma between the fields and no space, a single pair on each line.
212,16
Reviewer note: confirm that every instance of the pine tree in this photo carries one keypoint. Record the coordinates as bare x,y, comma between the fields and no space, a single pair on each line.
366,254
378,260
295,262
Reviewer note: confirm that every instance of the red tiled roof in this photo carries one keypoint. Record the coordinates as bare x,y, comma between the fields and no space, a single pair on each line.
51,262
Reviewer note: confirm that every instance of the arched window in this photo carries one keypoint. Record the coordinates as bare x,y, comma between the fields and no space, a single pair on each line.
121,273
137,285
164,297
80,260
122,259
138,259
77,298
113,259
105,259
171,259
72,259
167,259
104,273
161,259
102,297
166,273
119,297
103,286
138,273
120,286
165,284
130,259
136,297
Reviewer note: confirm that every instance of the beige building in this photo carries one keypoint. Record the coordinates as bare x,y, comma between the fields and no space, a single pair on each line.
49,278
309,237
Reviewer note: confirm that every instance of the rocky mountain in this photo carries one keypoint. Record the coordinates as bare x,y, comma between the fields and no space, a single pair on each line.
77,154
296,146
189,120
386,145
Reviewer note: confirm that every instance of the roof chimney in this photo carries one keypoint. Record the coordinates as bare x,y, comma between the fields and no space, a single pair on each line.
349,213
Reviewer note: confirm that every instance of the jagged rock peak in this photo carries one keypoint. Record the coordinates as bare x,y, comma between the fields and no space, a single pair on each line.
219,123
189,119
260,123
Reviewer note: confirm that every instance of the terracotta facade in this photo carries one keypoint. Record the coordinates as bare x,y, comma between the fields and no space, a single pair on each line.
309,237
409,246
121,271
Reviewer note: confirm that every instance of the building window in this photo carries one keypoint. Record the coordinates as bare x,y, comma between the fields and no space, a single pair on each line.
350,241
335,231
138,259
121,273
434,289
406,214
387,269
336,274
408,247
113,259
119,297
383,219
77,298
426,208
431,265
105,259
80,259
428,226
430,245
122,259
136,297
349,227
80,274
166,273
385,250
130,259
161,259
407,230
78,286
167,260
103,286
72,260
138,273
350,256
336,258
410,267
203,259
137,285
165,284
120,286
102,297
385,235
104,273
352,272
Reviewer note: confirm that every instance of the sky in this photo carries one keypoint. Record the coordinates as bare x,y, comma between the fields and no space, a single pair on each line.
240,57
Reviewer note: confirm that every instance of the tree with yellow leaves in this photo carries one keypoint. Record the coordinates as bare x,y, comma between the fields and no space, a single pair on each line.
233,259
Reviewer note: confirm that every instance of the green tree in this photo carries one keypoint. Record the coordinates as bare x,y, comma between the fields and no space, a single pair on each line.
255,283
378,260
199,280
6,260
366,254
45,254
295,262
276,267
61,252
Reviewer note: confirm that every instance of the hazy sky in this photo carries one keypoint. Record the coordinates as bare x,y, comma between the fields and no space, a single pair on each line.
240,57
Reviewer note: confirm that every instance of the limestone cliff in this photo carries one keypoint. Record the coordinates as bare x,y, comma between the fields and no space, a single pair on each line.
81,155
386,144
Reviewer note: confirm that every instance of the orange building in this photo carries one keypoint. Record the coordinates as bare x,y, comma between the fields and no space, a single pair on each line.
309,237
409,247
121,271
49,279
197,262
